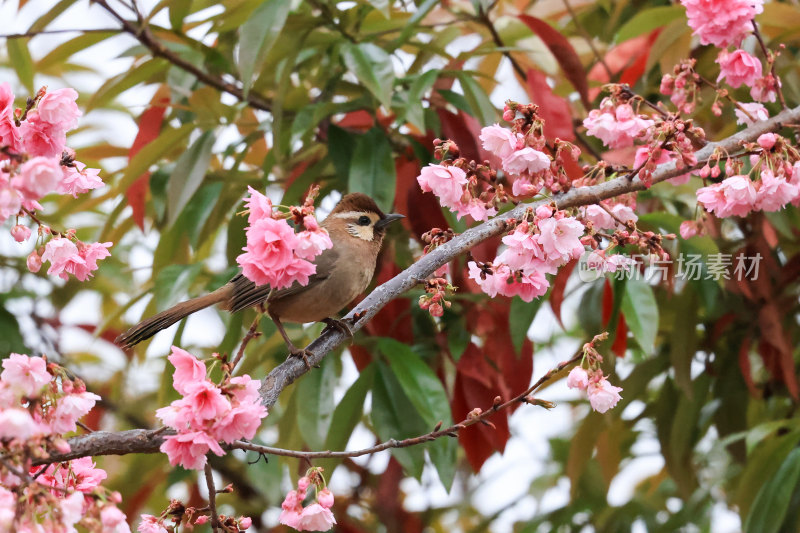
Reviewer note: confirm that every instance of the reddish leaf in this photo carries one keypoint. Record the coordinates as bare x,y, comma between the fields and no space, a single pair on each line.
361,356
394,319
389,498
564,53
608,302
620,58
464,129
357,120
632,74
744,365
552,108
621,340
774,337
149,128
559,284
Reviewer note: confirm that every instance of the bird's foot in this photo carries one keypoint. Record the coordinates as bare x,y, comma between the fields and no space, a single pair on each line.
340,325
305,354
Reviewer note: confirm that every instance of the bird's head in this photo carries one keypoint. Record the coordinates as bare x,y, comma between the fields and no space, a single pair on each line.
359,216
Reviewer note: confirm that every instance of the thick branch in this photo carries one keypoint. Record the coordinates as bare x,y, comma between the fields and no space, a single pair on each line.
142,441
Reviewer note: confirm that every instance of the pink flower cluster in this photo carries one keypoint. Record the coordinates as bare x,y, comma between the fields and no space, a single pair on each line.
449,183
32,407
68,257
617,126
275,255
738,68
739,195
602,394
35,413
721,22
207,413
533,249
314,517
608,218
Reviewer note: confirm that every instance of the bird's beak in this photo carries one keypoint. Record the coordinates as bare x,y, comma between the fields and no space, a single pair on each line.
388,219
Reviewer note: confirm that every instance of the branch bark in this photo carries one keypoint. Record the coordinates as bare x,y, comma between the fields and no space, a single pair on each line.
148,441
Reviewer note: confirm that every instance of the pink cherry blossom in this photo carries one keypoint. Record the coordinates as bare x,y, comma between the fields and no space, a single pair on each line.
298,270
10,200
315,518
59,108
498,140
474,208
188,369
526,284
523,186
17,423
8,505
738,68
764,89
189,449
767,140
41,138
25,375
241,422
624,213
258,206
10,136
245,522
291,509
489,283
578,378
150,524
560,239
91,253
643,152
526,161
721,22
688,229
312,242
71,509
599,217
113,520
70,408
774,192
735,196
79,474
617,127
269,251
756,110
603,395
78,179
38,177
206,400
245,389
446,182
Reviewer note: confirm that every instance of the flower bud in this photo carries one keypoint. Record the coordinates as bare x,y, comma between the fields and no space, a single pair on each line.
245,522
325,498
20,233
34,262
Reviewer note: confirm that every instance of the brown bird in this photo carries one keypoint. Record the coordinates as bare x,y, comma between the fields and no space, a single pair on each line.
356,227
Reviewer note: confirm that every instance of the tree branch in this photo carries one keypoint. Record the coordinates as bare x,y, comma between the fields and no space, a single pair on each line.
143,34
148,441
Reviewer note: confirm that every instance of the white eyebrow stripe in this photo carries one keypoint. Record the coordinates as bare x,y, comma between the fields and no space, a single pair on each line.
350,214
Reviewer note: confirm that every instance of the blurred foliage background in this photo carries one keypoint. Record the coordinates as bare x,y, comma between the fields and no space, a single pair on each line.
187,102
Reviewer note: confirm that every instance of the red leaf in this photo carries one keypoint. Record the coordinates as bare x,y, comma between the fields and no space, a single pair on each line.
559,284
564,53
394,319
357,120
621,58
621,340
744,365
608,302
552,108
464,129
149,127
422,210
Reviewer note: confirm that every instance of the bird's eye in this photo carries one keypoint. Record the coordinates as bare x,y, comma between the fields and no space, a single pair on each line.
364,220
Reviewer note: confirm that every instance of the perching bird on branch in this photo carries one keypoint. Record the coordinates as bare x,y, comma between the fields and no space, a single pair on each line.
356,227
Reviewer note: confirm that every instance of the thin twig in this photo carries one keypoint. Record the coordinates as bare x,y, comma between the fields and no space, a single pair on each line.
588,39
212,498
251,334
483,18
451,431
771,60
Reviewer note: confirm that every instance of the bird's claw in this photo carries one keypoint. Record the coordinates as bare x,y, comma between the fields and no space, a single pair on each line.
340,325
305,354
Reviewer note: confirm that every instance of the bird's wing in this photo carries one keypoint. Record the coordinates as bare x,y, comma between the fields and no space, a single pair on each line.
247,294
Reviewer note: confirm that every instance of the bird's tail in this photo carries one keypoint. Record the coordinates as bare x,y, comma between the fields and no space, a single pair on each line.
149,327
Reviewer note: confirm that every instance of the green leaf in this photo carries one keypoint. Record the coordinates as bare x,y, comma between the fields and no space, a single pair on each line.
172,283
647,20
394,417
373,68
316,409
347,415
415,112
341,144
641,313
122,82
372,169
178,9
772,501
189,172
520,319
10,337
258,34
198,210
20,58
482,108
62,52
423,388
683,347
